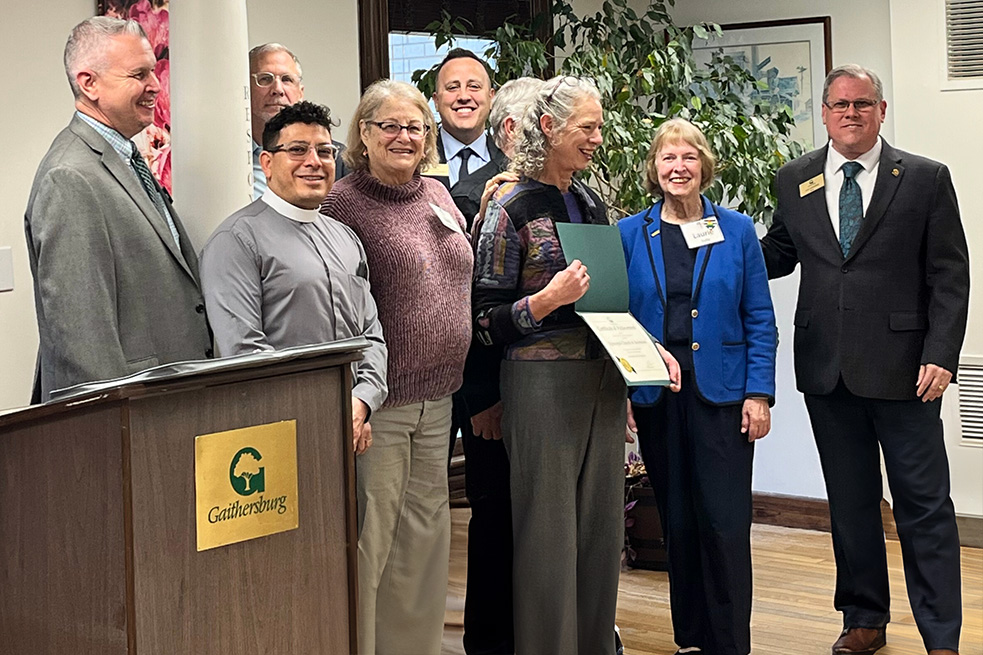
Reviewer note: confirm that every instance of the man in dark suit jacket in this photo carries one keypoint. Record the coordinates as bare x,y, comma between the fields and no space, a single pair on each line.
469,159
881,317
115,274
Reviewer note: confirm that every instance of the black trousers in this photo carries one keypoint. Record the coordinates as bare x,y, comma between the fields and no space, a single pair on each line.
488,604
848,430
699,464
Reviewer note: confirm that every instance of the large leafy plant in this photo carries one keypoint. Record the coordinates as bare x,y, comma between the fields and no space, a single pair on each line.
645,69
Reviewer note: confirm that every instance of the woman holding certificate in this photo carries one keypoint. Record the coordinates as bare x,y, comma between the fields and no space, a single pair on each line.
697,281
563,399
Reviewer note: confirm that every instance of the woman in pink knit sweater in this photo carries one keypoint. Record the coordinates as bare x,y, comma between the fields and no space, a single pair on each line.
420,264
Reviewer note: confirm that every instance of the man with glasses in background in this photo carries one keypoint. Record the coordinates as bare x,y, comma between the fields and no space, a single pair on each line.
275,82
278,274
881,316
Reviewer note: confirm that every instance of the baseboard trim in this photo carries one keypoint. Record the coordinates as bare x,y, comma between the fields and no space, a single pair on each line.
813,514
970,530
806,513
791,511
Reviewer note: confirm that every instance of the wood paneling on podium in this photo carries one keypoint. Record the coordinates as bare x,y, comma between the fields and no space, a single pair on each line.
97,521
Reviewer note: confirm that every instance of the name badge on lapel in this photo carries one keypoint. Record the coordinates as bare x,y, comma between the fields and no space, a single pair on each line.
702,232
447,218
811,185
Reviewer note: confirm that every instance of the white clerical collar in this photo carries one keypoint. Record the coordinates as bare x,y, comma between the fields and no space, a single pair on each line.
293,212
835,160
452,146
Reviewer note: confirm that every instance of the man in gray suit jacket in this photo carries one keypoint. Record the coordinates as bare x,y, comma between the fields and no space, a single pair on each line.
881,316
115,274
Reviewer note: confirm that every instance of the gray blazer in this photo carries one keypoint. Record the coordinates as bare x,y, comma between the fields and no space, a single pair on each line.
113,293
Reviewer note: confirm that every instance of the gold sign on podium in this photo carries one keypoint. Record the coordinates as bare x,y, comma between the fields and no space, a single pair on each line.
246,483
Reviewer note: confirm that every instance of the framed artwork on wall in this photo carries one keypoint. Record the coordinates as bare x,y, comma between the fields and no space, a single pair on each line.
790,58
155,141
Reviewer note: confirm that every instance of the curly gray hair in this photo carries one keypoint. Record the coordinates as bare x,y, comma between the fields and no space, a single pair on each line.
509,102
556,98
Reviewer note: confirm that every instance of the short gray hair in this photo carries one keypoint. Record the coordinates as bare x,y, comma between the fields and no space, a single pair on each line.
261,51
86,46
374,97
556,98
857,72
509,102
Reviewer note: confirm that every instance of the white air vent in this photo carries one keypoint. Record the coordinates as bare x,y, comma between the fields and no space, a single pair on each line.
971,402
964,39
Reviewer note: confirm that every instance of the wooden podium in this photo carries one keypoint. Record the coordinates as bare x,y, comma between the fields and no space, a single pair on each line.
98,516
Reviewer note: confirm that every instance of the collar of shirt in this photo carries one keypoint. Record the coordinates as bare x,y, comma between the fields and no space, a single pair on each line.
452,146
835,161
120,143
293,212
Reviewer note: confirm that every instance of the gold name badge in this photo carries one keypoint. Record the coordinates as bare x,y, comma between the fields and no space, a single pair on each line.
811,185
437,170
246,483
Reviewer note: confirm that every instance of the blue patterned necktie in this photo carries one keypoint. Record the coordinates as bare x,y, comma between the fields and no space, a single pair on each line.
851,206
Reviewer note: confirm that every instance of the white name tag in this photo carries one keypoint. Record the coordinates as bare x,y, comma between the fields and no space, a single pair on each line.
702,232
447,218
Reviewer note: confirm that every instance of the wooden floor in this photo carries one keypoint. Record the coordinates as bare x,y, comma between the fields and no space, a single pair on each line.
793,591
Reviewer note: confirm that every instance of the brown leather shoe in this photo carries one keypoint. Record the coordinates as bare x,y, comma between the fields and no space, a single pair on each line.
859,641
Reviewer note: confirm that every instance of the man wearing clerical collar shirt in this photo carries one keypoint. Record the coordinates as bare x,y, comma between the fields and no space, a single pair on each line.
278,274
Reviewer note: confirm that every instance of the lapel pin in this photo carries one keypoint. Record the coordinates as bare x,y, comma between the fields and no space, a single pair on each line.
895,172
656,233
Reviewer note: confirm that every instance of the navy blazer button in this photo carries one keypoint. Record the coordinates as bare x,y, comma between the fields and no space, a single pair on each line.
844,269
209,353
200,308
694,313
696,346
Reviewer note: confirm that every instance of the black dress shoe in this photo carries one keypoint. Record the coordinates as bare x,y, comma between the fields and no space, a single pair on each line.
859,641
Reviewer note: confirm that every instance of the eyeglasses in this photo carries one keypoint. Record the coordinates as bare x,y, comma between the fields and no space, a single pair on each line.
267,79
298,151
861,105
566,79
391,129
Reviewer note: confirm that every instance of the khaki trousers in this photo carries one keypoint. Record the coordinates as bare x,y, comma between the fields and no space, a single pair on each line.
404,530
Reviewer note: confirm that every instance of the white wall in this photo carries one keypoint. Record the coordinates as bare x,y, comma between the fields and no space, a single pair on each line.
38,106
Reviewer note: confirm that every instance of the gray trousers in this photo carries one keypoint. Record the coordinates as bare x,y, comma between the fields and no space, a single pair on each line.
564,429
404,530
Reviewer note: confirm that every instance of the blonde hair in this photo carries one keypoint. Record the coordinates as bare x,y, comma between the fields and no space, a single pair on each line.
356,155
678,130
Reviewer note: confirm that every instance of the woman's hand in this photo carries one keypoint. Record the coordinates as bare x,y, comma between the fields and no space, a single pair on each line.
675,375
567,286
756,418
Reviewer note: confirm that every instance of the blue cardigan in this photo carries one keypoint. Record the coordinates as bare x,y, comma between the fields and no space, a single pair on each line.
733,318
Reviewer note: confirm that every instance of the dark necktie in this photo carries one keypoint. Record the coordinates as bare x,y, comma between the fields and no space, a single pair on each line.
851,206
147,181
465,155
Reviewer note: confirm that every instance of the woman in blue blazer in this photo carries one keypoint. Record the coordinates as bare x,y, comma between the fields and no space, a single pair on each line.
698,284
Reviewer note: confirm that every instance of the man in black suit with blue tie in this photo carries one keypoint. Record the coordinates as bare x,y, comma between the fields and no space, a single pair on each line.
881,316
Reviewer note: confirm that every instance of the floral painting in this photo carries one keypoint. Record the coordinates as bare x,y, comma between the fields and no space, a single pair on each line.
155,141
